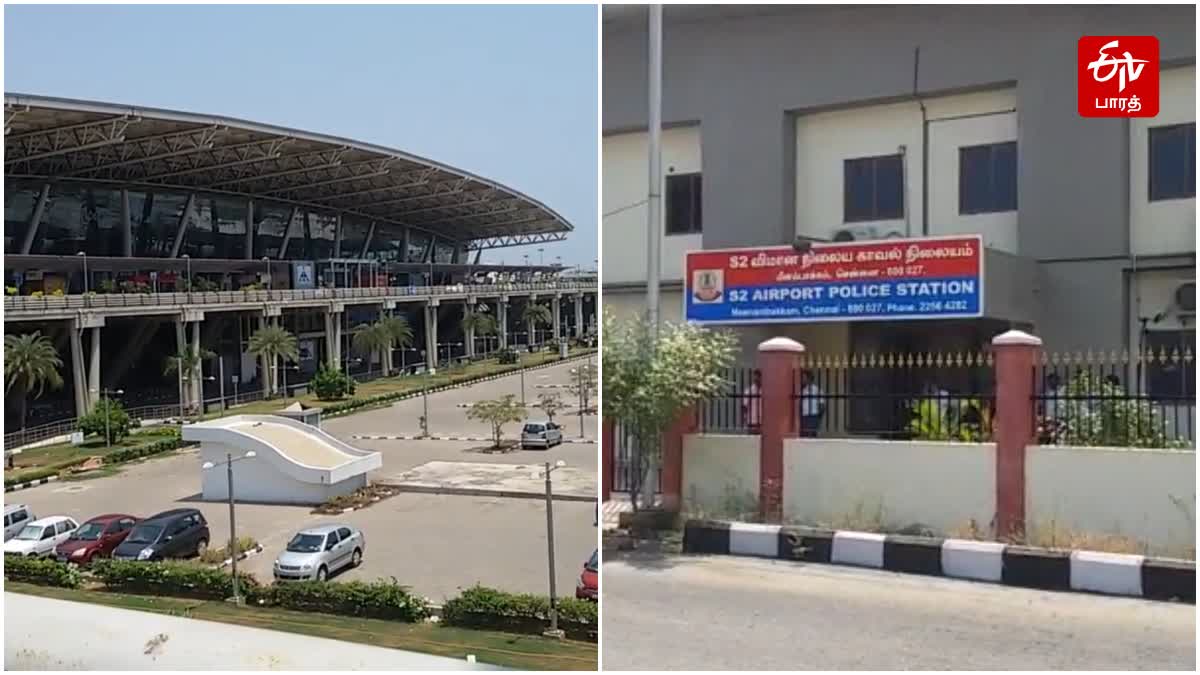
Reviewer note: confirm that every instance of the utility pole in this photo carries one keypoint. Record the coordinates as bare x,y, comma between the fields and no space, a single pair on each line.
654,195
554,631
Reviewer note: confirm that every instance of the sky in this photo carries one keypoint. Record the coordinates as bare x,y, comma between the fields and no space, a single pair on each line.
505,92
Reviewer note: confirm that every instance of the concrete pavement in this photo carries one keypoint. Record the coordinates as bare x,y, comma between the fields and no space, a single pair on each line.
717,613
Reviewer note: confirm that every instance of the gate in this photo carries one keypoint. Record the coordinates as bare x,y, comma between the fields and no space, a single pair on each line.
625,462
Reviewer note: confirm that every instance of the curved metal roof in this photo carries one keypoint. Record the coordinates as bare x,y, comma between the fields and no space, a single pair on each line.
54,138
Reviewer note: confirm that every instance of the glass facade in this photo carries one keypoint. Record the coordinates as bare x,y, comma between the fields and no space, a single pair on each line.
418,246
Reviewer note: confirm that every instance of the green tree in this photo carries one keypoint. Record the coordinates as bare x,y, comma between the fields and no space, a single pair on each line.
30,365
480,324
331,383
370,339
186,366
583,384
551,404
271,343
109,419
401,336
1094,412
649,381
498,412
535,314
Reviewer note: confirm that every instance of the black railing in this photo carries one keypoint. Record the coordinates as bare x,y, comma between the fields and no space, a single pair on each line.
738,410
1110,400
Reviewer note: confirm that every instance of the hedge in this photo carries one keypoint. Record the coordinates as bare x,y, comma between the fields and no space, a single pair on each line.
41,571
179,579
44,472
482,607
155,448
375,600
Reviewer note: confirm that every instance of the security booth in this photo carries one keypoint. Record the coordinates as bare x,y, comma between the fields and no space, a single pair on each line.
303,414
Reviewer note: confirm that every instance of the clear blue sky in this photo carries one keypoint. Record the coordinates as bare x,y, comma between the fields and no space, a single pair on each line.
507,92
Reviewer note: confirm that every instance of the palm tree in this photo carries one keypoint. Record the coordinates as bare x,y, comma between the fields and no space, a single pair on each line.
30,364
188,364
400,334
369,339
272,342
534,315
479,324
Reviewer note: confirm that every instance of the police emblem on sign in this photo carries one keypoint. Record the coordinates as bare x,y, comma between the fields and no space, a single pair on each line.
708,286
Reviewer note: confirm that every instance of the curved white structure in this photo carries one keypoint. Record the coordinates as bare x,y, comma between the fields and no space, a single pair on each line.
294,463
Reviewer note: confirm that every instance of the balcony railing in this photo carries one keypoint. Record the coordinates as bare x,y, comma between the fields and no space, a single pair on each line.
111,300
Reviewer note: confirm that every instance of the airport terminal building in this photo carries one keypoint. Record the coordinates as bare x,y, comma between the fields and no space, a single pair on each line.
885,123
134,234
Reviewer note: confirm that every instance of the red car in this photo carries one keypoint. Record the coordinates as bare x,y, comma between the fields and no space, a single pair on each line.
96,538
588,586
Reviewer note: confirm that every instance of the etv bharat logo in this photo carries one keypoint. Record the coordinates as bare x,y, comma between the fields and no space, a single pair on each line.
1118,76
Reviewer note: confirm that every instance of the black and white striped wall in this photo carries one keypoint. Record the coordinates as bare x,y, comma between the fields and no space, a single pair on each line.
1030,567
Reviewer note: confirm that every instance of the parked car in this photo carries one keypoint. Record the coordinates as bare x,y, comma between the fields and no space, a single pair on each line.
39,538
588,586
317,552
96,538
178,533
16,517
541,435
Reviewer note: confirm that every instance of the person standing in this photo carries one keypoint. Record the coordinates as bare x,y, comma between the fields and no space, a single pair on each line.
752,403
812,405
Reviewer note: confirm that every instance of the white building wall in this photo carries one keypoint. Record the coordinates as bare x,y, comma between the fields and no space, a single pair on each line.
721,475
257,480
626,174
825,140
625,304
1166,227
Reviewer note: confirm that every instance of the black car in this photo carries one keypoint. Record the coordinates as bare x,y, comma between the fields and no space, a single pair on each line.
179,533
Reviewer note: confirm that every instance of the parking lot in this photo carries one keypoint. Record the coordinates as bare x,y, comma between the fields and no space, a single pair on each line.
434,543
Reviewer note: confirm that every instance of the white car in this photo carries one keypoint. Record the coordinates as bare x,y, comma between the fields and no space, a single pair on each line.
16,517
541,435
39,538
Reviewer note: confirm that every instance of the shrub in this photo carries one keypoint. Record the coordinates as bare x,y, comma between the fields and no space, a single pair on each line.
506,357
155,448
482,607
44,472
179,579
108,417
219,555
328,384
376,600
41,571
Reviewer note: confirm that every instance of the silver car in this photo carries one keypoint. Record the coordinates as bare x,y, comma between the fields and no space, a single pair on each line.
317,552
541,435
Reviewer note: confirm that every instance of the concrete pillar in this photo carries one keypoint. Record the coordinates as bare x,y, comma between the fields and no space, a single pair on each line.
469,331
672,458
556,309
78,378
126,226
778,361
180,350
198,376
264,364
579,315
333,338
35,220
1016,354
607,463
502,320
431,337
94,369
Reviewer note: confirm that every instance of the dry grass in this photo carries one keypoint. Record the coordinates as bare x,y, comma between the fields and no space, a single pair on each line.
360,498
1054,534
216,556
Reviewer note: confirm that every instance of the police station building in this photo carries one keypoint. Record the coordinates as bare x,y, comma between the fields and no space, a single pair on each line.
883,124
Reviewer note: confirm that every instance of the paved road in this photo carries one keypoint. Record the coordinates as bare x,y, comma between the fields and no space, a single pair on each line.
446,418
724,613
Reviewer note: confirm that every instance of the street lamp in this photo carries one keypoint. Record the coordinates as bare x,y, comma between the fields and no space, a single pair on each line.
188,261
283,372
541,258
233,552
554,630
105,396
83,256
267,271
425,397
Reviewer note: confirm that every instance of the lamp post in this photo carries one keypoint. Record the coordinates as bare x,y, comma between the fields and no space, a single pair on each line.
425,398
267,272
283,373
403,350
554,630
187,259
233,552
541,258
105,395
83,256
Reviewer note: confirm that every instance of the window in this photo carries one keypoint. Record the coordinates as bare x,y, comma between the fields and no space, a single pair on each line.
125,524
683,204
987,178
47,532
874,188
1173,162
331,541
344,533
1166,377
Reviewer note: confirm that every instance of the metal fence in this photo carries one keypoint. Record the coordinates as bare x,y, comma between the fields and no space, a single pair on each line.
738,410
625,461
1102,399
